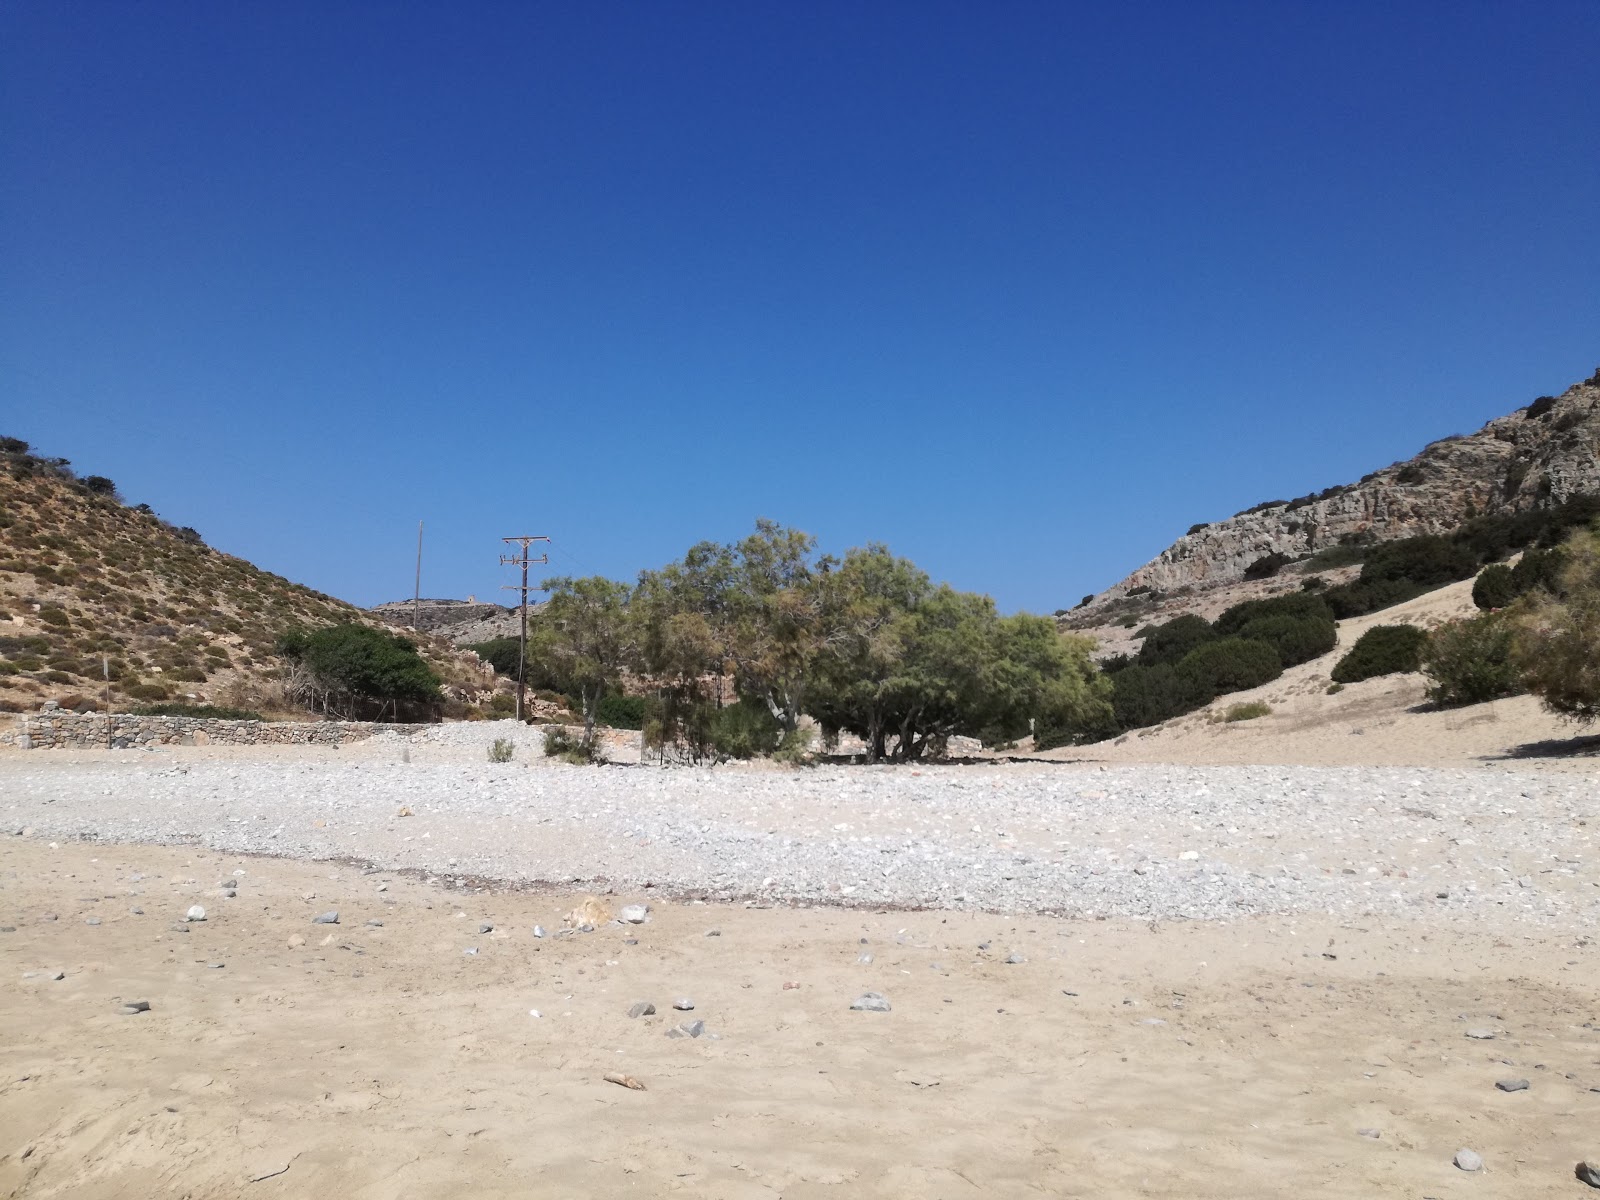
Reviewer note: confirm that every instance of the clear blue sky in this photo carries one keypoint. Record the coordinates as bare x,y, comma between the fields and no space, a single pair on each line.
1021,289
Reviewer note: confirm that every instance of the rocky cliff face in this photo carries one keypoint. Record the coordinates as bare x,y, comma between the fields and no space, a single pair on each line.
1536,456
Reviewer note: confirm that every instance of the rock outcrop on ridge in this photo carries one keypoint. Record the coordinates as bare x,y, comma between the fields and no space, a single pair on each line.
1539,455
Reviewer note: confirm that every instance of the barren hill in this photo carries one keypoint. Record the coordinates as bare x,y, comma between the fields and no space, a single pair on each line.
1538,455
86,580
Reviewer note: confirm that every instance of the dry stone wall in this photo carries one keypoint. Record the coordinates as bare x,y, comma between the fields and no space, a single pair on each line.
63,730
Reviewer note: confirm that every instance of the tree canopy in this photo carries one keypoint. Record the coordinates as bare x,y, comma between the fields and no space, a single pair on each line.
355,670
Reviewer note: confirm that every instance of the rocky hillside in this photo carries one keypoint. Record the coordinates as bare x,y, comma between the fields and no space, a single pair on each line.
462,622
85,578
1538,455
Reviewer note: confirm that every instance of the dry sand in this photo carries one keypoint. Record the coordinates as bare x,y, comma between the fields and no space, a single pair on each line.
1186,1060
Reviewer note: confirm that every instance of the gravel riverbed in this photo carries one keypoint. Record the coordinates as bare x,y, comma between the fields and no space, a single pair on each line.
1157,842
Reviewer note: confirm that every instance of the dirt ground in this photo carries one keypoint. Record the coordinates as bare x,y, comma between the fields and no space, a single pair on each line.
282,1058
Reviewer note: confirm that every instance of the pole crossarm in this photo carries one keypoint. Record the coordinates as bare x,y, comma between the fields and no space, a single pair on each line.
523,560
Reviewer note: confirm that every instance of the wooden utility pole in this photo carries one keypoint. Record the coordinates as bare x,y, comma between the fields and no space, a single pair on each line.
522,560
416,596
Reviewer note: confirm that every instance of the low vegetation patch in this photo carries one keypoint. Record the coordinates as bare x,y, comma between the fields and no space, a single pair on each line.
1382,650
1470,660
1247,712
216,712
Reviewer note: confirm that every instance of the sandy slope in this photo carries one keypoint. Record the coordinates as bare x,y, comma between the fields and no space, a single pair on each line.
1383,721
1188,1060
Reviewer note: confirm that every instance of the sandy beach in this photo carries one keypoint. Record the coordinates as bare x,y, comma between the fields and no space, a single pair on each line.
280,1057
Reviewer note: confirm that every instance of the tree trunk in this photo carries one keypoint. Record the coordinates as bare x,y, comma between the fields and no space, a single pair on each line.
591,709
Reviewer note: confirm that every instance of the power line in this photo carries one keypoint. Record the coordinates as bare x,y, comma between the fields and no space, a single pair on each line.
522,560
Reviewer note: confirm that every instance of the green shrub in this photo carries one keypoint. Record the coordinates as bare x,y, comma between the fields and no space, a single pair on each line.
744,730
1357,599
1267,566
1228,665
1494,587
1333,689
1300,605
1430,561
1382,650
1557,644
794,748
1296,639
1342,555
621,712
358,668
1142,696
1313,583
501,751
559,743
1247,712
1469,661
1538,569
502,704
1170,642
215,712
500,653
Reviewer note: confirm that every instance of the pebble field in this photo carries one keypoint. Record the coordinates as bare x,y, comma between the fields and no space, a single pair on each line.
1155,842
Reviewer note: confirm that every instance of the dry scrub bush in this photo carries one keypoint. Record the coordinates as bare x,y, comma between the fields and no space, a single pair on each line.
1557,645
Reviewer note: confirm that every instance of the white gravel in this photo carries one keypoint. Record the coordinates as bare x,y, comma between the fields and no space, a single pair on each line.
1142,841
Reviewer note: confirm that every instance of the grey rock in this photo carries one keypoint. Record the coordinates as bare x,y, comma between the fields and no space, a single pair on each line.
683,1004
135,1006
690,1029
586,928
1013,959
864,959
1589,1172
538,931
870,1002
642,1009
1512,1085
327,918
1481,1035
1468,1160
713,933
195,913
59,976
486,928
216,966
633,914
374,923
470,950
1374,1134
91,921
136,912
179,927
